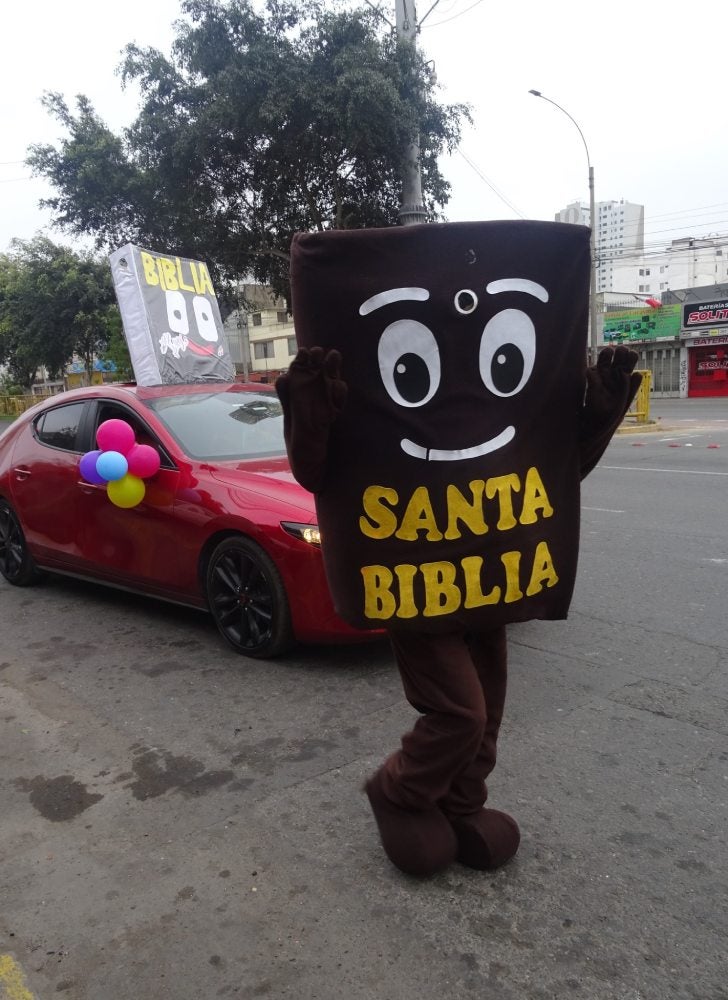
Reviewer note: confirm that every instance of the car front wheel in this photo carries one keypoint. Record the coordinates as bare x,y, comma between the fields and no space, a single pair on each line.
247,599
16,563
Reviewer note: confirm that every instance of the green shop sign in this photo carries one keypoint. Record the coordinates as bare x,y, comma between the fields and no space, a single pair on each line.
642,324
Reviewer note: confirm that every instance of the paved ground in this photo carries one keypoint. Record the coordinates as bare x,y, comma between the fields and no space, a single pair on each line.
179,823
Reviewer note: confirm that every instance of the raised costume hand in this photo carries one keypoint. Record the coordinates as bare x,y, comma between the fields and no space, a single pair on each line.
611,384
312,394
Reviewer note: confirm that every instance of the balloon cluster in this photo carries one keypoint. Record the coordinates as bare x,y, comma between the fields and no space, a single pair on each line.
120,462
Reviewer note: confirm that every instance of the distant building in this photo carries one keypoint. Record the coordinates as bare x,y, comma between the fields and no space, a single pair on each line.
260,334
689,262
619,232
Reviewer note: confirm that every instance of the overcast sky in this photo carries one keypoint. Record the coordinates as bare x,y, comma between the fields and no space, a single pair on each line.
644,81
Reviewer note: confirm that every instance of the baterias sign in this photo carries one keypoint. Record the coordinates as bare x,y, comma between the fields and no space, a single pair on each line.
171,318
705,314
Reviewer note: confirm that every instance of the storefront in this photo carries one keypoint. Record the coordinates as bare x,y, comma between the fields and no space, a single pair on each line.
705,335
708,366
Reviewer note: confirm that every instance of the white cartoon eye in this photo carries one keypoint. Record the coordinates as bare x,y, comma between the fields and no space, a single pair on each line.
205,319
507,352
177,313
409,362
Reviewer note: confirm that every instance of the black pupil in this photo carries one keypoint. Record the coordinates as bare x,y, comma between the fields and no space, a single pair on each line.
411,377
466,301
507,368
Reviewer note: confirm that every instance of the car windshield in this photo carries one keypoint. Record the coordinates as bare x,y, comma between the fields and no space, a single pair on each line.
223,426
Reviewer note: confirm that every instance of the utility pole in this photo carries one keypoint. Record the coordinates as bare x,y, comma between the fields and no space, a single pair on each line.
412,211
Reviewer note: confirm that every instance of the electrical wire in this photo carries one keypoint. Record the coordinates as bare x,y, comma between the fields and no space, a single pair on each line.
456,16
492,186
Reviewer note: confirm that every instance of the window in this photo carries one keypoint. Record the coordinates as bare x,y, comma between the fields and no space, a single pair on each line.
257,319
292,346
58,427
263,349
282,316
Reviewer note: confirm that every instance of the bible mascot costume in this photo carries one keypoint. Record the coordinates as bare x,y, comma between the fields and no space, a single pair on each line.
441,411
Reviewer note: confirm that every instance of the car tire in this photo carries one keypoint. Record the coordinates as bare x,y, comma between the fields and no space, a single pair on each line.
16,563
247,599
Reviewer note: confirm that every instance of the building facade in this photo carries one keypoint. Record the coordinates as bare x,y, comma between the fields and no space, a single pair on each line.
689,262
619,234
260,334
682,341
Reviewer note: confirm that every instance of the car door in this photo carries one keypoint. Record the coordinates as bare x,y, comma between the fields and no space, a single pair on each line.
44,483
137,547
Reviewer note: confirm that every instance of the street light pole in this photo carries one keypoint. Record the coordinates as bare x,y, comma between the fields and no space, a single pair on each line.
592,238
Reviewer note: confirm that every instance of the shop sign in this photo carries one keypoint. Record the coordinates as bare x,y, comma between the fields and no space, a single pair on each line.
642,324
712,364
702,314
709,341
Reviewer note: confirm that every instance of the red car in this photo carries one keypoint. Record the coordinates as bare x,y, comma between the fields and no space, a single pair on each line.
222,526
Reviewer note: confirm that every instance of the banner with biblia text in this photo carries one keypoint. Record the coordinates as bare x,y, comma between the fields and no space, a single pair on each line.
171,318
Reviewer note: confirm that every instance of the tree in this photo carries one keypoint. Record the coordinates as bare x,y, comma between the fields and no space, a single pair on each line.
54,303
267,119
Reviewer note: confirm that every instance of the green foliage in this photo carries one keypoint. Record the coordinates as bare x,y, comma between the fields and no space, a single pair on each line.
268,118
117,350
54,303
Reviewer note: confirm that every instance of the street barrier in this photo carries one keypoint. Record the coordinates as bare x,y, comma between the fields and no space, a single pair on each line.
640,408
13,406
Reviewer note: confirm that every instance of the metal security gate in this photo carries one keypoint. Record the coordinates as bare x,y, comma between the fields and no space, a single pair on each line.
664,363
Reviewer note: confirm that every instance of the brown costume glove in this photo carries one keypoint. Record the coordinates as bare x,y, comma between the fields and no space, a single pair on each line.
611,386
312,394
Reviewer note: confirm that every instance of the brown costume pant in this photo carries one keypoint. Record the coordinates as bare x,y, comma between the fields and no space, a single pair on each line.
458,684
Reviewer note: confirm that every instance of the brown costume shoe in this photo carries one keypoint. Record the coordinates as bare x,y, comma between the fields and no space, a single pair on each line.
418,842
486,839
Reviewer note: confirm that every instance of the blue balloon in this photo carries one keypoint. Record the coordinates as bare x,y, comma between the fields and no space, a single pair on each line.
87,467
111,465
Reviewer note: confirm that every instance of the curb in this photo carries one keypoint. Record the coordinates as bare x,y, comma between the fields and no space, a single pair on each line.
646,428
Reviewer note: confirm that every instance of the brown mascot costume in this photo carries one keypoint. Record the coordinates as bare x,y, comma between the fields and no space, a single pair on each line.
441,411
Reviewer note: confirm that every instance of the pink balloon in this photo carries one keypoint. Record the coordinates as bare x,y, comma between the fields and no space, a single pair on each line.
143,461
115,435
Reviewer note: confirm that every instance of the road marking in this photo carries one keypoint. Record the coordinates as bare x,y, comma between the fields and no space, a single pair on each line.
682,472
12,980
604,510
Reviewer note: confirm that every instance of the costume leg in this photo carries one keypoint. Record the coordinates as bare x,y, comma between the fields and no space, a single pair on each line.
486,838
468,791
440,681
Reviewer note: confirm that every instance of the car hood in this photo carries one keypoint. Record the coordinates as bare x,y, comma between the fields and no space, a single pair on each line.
272,478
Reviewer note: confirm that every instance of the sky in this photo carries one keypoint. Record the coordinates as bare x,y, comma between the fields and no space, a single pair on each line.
643,81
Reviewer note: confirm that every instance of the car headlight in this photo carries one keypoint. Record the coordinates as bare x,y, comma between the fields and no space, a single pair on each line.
306,532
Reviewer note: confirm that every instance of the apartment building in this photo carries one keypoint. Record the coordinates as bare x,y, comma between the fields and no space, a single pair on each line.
689,262
619,233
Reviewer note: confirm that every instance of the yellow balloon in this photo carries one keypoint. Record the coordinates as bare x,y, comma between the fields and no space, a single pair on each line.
126,492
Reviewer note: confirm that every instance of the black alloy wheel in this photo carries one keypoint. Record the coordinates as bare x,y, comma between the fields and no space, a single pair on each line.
247,599
16,564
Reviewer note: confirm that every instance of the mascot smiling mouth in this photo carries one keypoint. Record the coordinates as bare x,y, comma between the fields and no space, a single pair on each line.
200,349
457,454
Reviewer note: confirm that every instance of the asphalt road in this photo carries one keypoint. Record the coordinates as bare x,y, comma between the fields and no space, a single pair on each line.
180,822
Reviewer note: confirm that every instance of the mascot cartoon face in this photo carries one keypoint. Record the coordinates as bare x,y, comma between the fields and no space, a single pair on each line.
463,350
410,362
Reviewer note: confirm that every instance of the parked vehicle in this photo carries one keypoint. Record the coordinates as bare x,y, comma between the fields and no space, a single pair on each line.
222,525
